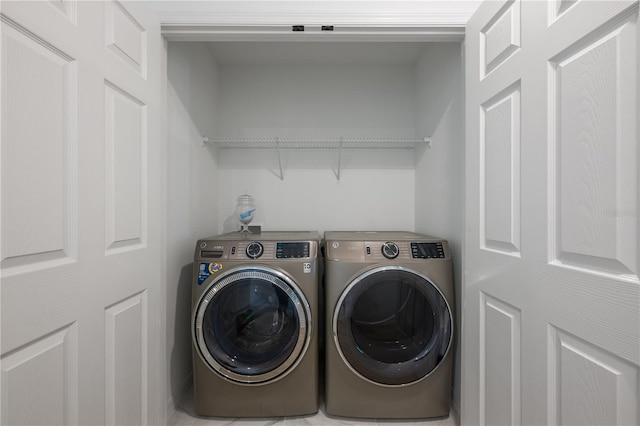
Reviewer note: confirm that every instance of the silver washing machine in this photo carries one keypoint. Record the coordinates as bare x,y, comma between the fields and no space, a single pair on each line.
389,322
255,324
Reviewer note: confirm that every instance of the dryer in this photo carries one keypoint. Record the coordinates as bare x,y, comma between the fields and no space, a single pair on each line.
254,324
389,322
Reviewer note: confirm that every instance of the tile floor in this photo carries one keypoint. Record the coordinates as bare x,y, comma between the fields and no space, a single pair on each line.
185,416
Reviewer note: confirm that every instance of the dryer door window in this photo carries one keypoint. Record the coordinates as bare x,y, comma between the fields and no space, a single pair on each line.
252,325
392,326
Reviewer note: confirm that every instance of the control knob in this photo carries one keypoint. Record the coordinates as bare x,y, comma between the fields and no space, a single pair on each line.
254,250
390,250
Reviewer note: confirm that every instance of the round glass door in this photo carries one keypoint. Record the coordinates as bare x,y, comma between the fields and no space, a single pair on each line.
392,326
252,325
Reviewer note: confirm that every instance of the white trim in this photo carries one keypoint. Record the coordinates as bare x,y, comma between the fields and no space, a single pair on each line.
311,33
310,12
439,19
241,20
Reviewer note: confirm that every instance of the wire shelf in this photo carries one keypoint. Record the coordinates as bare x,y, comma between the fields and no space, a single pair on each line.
338,144
314,143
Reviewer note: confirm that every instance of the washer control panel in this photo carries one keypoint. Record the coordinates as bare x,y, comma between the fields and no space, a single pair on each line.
427,251
286,246
292,250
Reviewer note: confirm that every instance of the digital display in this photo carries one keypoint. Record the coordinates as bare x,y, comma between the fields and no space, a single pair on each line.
427,251
292,250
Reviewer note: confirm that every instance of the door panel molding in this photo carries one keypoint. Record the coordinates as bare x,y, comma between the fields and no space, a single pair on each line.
125,37
126,170
40,380
593,172
126,341
39,211
500,365
588,384
500,38
500,171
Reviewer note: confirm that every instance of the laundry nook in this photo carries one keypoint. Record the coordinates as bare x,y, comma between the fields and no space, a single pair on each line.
320,212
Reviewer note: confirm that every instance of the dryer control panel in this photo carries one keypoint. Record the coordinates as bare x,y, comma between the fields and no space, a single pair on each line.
427,250
389,247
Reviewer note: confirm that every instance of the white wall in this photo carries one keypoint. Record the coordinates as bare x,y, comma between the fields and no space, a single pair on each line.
313,200
317,100
439,184
192,206
376,190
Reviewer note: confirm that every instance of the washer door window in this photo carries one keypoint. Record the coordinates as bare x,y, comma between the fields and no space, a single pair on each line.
252,325
392,326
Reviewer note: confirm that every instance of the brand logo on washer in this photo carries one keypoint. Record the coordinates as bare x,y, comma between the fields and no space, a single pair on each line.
306,267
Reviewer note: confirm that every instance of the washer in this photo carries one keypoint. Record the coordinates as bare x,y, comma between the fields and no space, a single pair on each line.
389,321
254,324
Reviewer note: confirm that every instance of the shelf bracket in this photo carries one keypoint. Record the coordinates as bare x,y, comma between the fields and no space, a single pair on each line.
339,157
279,158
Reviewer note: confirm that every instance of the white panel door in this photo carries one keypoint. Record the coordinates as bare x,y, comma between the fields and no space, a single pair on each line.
82,311
551,321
